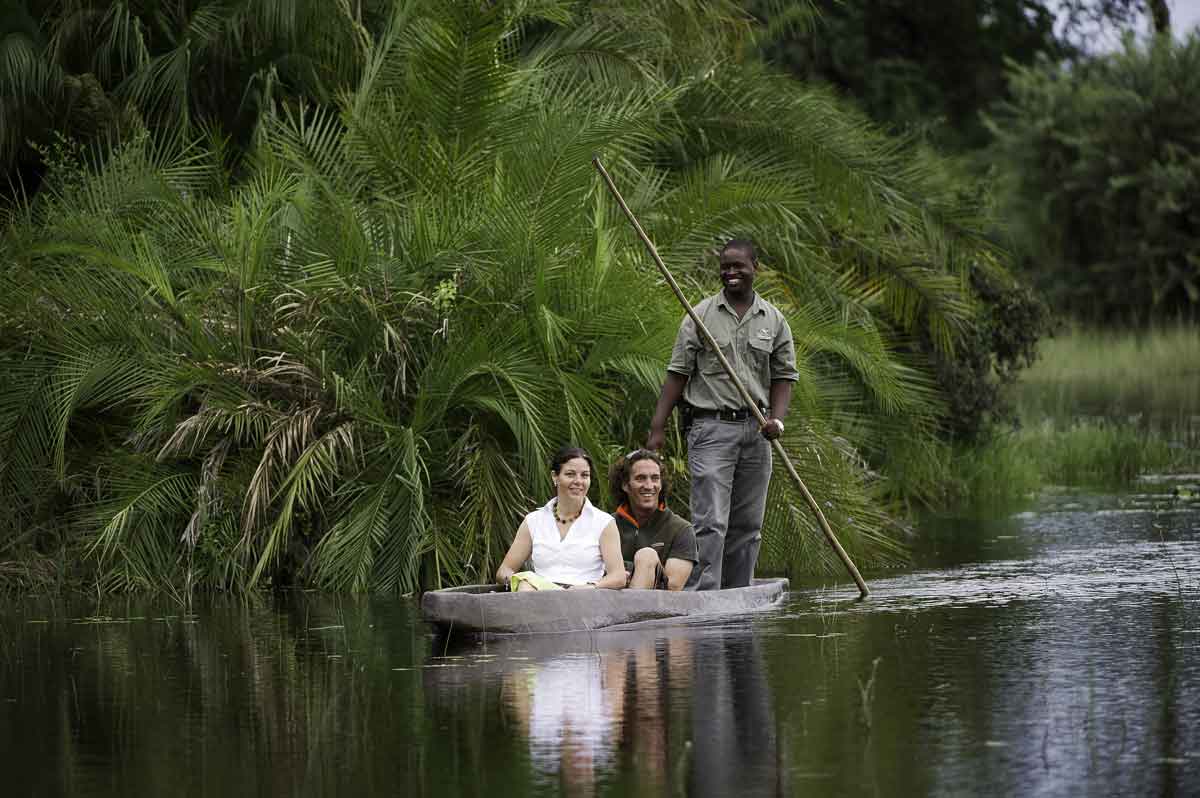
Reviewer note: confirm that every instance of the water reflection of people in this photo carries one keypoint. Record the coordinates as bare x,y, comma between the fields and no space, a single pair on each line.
683,714
568,709
656,675
582,710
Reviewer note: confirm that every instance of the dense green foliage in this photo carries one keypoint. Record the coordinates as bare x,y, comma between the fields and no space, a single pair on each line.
977,377
929,69
1103,162
920,67
93,69
347,364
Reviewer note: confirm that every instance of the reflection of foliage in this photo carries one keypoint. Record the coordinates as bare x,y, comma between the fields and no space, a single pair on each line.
346,365
1104,161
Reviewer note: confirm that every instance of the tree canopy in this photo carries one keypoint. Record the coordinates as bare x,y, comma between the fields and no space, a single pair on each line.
1102,170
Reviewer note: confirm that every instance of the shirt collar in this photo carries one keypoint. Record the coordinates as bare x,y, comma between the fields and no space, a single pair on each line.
628,515
756,306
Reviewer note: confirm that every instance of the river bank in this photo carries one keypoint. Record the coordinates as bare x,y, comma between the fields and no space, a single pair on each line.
1100,409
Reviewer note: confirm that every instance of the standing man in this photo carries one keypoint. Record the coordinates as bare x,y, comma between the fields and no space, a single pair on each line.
729,456
658,546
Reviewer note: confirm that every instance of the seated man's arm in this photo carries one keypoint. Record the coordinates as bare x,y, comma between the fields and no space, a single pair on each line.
677,572
682,557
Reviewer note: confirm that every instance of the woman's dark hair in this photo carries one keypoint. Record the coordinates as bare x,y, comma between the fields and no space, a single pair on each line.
570,453
618,475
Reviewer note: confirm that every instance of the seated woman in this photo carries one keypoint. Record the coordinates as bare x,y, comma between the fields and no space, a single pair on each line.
572,543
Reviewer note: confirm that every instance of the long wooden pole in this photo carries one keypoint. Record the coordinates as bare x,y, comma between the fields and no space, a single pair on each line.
750,403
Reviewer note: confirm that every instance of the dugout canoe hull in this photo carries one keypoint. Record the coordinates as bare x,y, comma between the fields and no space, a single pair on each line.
485,610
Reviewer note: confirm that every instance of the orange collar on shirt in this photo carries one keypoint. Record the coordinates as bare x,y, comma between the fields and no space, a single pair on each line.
625,513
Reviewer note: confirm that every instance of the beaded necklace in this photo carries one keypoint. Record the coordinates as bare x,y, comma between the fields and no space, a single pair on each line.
562,520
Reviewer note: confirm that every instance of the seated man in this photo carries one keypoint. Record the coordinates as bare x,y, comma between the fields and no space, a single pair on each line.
659,547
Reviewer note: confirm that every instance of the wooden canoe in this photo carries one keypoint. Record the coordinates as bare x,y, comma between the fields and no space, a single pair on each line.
485,610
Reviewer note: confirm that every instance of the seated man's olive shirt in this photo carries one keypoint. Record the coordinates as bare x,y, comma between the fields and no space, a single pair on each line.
758,346
666,533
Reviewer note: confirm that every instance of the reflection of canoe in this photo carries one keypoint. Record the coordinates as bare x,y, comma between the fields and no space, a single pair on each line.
484,609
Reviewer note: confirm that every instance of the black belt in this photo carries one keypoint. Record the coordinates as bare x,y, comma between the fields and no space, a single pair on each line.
725,415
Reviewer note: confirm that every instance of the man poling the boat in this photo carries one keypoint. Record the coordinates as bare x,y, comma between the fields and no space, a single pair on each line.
571,543
729,454
659,547
742,391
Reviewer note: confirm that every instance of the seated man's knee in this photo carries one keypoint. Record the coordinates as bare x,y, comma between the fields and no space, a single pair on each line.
645,568
645,558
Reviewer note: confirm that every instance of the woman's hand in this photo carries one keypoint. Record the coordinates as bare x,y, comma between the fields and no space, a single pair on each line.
503,574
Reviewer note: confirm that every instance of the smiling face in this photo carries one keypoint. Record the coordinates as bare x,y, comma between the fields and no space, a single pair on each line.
644,486
573,479
737,271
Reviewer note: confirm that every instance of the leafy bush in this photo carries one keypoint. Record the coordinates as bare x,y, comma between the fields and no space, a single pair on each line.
977,377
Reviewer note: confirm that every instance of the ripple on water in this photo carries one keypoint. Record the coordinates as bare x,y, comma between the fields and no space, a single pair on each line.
1093,557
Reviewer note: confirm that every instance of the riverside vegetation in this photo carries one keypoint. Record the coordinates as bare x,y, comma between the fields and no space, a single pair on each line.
330,339
1099,408
344,363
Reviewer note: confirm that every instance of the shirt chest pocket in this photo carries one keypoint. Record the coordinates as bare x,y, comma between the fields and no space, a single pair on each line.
759,350
710,363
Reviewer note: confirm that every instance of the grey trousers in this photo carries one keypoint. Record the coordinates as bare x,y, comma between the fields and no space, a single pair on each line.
730,465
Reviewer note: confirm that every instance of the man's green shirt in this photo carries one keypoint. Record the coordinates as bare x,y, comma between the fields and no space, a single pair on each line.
665,532
758,346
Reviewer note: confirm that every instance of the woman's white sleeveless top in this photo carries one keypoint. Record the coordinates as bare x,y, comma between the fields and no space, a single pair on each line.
574,560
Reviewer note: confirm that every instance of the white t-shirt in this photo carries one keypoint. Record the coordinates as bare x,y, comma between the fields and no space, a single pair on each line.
576,559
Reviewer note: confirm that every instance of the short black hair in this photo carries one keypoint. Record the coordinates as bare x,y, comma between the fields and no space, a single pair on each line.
743,244
570,453
618,475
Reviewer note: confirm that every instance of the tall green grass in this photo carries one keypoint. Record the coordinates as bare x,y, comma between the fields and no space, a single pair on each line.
1013,466
1089,452
1152,373
1098,409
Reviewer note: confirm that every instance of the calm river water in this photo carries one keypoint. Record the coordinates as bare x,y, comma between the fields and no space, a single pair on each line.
1053,653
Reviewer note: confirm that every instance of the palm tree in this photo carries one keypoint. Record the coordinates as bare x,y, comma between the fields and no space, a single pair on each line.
348,366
